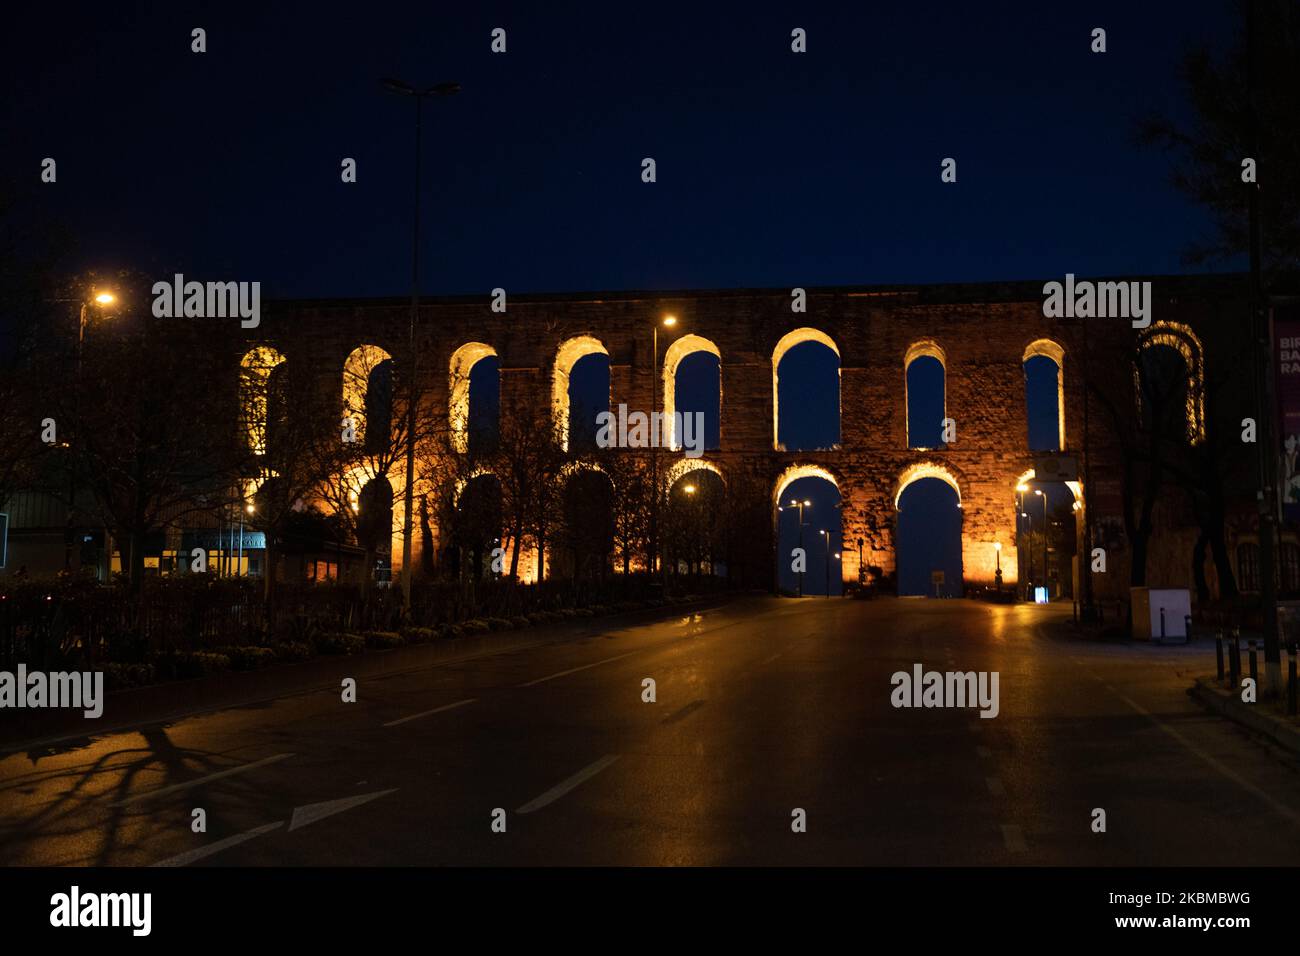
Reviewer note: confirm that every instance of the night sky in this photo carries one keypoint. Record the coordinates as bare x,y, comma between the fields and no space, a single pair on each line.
774,169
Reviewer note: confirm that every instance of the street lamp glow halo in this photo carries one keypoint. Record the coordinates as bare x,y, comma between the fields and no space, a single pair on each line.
105,298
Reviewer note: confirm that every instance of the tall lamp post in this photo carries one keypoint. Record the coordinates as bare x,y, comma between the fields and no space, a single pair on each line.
826,535
100,299
997,575
405,89
1039,492
806,503
668,321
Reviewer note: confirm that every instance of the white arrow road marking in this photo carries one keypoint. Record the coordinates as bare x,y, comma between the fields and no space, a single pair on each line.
319,811
560,789
426,713
184,859
574,670
201,780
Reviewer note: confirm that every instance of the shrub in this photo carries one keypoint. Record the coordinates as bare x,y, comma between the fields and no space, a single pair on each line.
119,676
418,635
500,623
521,621
294,651
247,658
583,612
452,630
475,626
340,643
182,665
382,640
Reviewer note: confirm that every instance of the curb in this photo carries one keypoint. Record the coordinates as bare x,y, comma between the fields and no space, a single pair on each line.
1280,730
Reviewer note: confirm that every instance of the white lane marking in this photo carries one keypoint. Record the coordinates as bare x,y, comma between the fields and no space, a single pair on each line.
995,786
184,859
574,670
1013,838
1214,762
768,660
319,811
426,713
984,752
201,780
560,789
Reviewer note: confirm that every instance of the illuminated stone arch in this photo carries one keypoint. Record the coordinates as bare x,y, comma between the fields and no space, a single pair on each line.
1076,487
1185,342
358,476
255,370
567,356
461,366
925,348
787,342
794,473
684,466
1046,348
925,469
680,349
363,360
463,483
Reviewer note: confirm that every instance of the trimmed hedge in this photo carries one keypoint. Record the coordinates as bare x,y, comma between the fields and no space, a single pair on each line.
338,643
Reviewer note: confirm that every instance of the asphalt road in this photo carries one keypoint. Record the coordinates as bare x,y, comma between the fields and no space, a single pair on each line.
763,706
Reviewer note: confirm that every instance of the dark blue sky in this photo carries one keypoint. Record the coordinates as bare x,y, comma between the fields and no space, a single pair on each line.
774,169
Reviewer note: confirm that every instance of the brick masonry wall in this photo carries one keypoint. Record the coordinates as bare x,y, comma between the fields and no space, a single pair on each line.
983,330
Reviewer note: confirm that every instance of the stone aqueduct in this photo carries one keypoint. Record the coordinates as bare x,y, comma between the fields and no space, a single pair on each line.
982,334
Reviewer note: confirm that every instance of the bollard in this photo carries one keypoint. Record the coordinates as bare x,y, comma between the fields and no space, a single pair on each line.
1290,686
1218,654
1162,625
1234,658
1187,628
1254,672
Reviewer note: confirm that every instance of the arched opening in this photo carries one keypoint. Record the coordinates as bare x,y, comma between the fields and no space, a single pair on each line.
694,540
475,397
476,527
1044,365
358,375
808,532
693,385
379,408
1048,531
277,412
586,535
924,372
592,389
928,536
255,373
1169,379
805,392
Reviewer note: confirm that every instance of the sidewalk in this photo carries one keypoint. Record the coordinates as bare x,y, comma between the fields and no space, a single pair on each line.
1264,717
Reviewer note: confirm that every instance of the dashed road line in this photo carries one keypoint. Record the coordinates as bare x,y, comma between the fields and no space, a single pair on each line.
560,789
683,712
426,713
574,670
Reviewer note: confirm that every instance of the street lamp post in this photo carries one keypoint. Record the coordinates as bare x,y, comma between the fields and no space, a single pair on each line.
1039,492
101,299
405,89
806,503
668,322
827,536
997,575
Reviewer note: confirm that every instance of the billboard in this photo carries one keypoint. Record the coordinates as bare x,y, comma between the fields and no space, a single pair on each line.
1286,347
